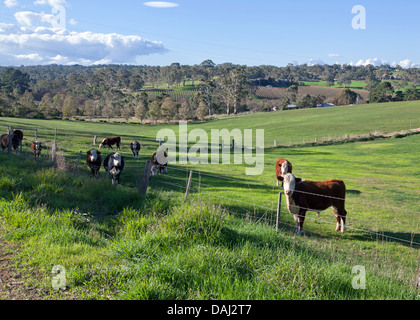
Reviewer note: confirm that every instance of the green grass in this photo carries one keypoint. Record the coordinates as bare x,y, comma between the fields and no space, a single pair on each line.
355,84
221,243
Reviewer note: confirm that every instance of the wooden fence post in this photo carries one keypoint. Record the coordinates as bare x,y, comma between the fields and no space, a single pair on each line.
278,212
94,140
76,168
54,149
146,176
188,185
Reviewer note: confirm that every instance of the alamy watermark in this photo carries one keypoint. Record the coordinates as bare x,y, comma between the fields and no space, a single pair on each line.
359,20
242,143
59,281
359,280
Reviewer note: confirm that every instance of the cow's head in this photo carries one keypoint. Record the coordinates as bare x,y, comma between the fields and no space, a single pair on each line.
116,160
37,148
93,155
289,184
285,168
104,142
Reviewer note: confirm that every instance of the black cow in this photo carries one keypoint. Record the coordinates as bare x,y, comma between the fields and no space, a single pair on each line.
114,165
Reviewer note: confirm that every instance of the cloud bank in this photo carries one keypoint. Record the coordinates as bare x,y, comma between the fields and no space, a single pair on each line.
36,38
42,45
406,63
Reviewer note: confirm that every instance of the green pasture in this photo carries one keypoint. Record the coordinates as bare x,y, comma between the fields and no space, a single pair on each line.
221,243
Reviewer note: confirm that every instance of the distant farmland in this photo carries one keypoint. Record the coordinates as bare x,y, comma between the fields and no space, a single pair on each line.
178,94
329,93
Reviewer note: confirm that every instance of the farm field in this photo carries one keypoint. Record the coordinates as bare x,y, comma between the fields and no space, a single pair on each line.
222,242
313,90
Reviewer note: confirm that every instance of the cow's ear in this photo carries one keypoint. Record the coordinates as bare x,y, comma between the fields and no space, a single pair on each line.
298,180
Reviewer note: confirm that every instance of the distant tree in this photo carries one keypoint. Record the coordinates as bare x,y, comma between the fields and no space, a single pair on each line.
207,87
381,93
186,111
69,106
411,94
344,79
14,80
141,109
168,109
127,111
108,110
305,101
27,107
345,97
201,111
154,110
292,92
329,77
90,108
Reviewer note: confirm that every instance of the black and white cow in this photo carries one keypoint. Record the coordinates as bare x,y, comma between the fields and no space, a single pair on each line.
114,165
94,161
135,148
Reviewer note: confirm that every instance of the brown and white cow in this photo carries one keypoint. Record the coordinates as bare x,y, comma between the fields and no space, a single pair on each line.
159,162
110,142
114,165
36,148
306,195
135,148
283,166
94,161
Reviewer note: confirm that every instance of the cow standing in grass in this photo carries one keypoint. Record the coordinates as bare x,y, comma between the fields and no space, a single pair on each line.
110,142
94,161
306,195
135,148
159,162
4,141
114,165
283,166
36,148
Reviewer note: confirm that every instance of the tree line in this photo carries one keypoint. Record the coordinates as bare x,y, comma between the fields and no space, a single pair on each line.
56,91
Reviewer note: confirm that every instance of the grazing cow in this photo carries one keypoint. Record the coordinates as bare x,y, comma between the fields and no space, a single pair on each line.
306,195
135,148
94,161
114,165
5,141
110,142
19,134
283,166
36,148
159,161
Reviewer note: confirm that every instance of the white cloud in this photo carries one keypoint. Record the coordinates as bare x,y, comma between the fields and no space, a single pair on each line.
161,4
334,55
43,45
11,3
406,63
29,18
52,3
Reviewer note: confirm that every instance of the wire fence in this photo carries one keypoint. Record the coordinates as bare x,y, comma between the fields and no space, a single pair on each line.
258,204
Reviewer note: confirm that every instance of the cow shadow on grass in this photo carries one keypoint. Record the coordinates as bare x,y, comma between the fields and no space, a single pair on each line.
406,239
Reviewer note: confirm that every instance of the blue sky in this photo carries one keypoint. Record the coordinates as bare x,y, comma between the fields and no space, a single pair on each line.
191,31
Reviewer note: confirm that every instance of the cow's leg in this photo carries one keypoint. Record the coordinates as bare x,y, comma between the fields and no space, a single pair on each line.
337,216
301,219
342,215
277,183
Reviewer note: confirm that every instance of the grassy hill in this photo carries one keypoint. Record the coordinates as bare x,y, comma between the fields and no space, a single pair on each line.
222,242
